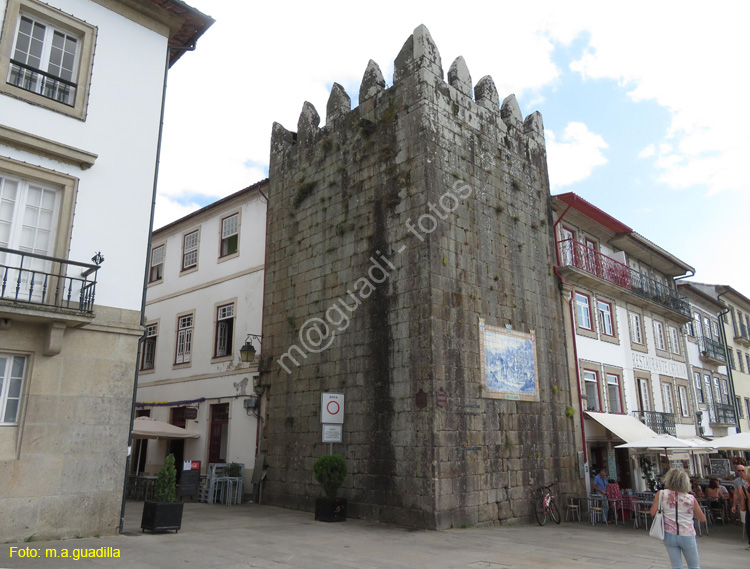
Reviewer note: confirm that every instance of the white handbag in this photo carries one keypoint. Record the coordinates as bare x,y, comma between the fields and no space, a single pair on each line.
657,527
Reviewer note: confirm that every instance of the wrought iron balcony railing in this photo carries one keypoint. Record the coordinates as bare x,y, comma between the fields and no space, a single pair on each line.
711,349
30,279
660,423
578,255
37,81
723,414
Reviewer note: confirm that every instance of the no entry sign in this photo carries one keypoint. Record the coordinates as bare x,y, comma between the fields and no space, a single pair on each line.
332,408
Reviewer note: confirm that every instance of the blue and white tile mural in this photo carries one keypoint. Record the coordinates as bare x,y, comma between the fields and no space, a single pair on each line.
509,369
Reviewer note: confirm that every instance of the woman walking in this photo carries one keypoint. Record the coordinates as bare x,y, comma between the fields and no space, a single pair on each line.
679,507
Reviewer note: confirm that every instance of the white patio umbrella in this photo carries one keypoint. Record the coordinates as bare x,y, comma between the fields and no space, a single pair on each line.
738,441
665,442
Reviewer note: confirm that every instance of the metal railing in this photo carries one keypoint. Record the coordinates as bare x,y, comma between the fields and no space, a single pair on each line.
724,414
712,349
578,255
31,279
37,81
660,423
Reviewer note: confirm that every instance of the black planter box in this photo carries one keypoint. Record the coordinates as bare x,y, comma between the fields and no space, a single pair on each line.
161,516
327,510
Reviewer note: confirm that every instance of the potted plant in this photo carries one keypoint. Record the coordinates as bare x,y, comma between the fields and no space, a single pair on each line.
164,513
330,470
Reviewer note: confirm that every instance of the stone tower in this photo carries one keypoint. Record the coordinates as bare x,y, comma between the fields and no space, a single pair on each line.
392,231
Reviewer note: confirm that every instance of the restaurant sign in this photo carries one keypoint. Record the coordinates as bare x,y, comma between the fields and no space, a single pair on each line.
660,365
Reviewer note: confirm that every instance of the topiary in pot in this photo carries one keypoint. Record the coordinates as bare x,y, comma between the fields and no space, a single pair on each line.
163,514
330,471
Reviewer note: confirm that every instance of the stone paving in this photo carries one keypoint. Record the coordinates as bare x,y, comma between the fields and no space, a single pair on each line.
217,536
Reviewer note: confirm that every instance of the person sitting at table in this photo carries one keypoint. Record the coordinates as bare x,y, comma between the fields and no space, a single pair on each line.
600,487
695,488
713,489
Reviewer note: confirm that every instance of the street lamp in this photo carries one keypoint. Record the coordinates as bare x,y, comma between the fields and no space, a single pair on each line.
247,352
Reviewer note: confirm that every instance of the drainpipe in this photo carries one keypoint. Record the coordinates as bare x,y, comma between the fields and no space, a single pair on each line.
145,276
728,356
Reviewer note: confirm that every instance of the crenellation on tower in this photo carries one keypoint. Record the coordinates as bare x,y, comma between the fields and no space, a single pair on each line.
399,225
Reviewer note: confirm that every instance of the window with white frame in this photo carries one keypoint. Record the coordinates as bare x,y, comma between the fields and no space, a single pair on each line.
583,311
224,330
666,389
591,381
659,336
706,327
156,272
148,354
674,337
46,57
636,333
715,328
696,325
230,231
605,317
725,391
684,404
717,391
190,250
644,393
12,369
184,339
613,393
698,386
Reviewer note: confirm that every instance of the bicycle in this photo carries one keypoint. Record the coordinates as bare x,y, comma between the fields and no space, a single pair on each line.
545,504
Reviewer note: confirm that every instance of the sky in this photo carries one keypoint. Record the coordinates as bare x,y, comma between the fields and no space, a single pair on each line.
644,103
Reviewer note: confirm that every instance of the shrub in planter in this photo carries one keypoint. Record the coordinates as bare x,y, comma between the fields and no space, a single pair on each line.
330,471
163,513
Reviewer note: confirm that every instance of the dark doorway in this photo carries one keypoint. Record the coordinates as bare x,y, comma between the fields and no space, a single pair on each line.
217,448
140,447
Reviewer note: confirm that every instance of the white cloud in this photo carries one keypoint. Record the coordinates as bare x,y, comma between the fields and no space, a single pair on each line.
647,152
572,158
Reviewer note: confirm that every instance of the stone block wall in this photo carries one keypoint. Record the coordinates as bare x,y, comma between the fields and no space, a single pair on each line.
63,466
391,231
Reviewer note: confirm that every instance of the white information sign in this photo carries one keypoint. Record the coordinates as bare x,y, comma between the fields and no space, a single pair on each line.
332,433
332,408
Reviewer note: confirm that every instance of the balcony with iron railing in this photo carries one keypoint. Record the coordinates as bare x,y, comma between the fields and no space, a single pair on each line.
712,351
609,271
45,84
723,414
660,423
36,285
741,334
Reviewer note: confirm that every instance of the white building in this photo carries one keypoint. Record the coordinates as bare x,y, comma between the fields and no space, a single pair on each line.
79,130
707,359
625,318
205,296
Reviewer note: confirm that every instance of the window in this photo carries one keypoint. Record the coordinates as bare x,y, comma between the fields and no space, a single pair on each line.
605,317
731,358
659,336
666,389
644,393
674,337
230,229
636,334
725,391
698,387
148,354
715,328
739,362
747,408
583,311
684,405
190,250
739,407
156,272
46,57
717,391
613,393
11,384
591,381
184,339
747,360
224,330
706,327
696,325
